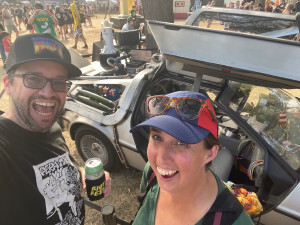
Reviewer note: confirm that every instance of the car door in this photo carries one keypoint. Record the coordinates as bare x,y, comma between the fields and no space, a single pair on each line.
236,78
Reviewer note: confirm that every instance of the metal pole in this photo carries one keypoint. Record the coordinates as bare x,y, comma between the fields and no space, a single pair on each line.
109,215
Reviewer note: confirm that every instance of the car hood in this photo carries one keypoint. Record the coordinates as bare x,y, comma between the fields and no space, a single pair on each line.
228,55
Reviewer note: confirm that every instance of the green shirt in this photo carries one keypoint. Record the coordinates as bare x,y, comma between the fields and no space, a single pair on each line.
146,214
44,24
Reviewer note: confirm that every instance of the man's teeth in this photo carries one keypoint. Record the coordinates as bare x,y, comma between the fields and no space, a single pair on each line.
166,172
44,114
45,104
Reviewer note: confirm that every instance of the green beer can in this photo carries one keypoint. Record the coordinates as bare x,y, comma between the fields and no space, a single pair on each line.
94,179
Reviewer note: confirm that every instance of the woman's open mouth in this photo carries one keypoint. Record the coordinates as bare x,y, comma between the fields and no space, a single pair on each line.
166,173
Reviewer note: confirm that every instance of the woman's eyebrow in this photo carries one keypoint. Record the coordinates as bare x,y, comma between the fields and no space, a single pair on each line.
155,130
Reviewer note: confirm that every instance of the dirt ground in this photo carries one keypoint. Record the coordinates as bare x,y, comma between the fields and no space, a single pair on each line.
125,181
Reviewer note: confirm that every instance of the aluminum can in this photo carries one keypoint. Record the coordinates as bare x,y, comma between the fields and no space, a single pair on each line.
94,179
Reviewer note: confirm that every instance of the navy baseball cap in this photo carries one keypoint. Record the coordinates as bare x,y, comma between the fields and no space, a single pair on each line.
33,47
187,131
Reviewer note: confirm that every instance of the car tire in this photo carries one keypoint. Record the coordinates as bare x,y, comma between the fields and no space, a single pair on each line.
91,143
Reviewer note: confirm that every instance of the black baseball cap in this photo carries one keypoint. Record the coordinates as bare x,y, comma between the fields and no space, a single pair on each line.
39,5
33,47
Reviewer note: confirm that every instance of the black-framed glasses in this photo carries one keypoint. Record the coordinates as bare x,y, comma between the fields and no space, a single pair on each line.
35,81
187,107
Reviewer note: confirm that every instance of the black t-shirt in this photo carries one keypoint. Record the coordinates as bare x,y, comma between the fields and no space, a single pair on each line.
39,181
1,27
68,13
19,13
282,7
60,17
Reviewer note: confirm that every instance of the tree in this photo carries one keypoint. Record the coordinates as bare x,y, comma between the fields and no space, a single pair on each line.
161,10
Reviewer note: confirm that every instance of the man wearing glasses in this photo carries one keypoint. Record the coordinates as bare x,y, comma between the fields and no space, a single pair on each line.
39,180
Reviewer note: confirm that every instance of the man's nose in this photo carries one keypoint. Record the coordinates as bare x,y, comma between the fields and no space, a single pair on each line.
47,89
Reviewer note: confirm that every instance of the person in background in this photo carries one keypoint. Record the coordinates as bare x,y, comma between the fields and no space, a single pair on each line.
53,5
7,17
209,21
269,6
60,16
43,20
237,4
183,141
289,9
280,8
129,25
88,13
28,14
36,168
70,19
132,12
259,7
82,14
78,32
2,51
49,10
20,16
6,44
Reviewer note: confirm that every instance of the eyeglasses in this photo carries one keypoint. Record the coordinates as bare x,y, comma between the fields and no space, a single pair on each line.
35,81
186,107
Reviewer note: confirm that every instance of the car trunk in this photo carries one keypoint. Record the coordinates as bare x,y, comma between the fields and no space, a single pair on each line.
230,55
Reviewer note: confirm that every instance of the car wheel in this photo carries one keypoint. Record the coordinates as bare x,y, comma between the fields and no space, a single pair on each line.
91,143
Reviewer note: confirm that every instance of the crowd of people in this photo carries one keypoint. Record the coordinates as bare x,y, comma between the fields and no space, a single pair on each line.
54,19
278,6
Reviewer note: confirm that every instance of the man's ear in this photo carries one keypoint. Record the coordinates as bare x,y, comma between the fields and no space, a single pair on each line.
7,84
212,153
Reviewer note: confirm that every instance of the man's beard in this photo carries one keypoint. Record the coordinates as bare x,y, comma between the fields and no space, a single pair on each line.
22,113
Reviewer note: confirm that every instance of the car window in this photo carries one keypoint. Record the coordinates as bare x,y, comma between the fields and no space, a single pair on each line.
241,23
275,115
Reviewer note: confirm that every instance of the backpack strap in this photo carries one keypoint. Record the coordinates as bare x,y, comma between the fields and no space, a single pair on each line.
217,218
225,210
151,181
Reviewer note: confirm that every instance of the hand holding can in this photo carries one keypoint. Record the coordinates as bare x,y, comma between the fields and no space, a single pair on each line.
94,179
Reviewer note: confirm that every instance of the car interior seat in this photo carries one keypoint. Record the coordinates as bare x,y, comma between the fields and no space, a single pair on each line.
128,38
222,164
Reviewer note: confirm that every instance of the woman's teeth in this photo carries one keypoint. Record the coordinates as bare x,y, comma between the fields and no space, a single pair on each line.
166,172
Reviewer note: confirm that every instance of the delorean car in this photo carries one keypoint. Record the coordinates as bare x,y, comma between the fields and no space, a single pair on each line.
249,79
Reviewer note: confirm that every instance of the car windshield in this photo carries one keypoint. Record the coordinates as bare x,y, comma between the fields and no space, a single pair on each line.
275,115
242,22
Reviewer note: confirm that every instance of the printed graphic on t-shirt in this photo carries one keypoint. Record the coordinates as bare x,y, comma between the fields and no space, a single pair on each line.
58,181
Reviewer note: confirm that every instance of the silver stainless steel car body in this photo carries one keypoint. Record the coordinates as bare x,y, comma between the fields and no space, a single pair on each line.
244,83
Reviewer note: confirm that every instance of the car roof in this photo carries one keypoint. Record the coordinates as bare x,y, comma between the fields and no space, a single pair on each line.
258,22
230,55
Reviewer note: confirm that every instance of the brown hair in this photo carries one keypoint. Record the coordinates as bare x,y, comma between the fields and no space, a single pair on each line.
209,142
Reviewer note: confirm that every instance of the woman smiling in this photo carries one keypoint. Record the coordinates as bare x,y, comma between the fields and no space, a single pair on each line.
183,141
